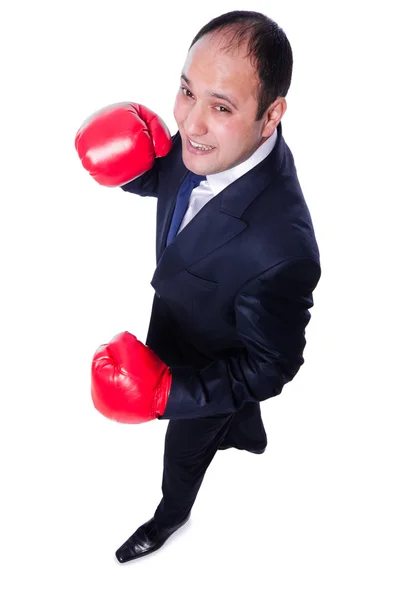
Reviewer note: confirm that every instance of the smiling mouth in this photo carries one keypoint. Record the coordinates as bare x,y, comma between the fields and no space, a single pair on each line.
199,146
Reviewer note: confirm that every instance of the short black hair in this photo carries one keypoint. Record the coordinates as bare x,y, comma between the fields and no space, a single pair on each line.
268,47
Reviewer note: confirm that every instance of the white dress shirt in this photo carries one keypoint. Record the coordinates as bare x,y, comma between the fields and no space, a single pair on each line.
214,184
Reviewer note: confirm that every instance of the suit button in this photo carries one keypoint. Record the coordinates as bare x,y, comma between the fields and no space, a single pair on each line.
158,295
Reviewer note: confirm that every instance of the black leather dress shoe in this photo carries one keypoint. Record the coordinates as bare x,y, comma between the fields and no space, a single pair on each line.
147,539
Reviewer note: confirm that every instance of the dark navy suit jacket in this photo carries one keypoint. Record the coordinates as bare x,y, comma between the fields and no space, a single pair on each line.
234,288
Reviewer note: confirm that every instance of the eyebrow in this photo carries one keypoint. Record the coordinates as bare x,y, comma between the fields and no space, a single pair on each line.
212,94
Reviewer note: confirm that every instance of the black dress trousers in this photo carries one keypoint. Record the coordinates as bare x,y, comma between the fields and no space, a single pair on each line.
190,445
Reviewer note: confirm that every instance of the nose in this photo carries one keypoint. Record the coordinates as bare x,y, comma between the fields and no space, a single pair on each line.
195,124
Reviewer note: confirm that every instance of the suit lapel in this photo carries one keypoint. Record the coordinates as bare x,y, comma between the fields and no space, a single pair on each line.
218,221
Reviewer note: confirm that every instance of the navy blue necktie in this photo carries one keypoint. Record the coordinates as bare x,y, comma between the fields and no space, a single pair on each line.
192,180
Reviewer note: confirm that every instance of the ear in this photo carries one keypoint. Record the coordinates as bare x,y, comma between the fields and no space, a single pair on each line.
273,116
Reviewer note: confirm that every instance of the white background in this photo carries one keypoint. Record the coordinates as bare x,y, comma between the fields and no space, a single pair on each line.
313,517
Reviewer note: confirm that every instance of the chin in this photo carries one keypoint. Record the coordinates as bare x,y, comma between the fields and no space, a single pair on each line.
200,167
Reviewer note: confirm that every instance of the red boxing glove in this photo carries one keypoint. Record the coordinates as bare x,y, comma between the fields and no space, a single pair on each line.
120,142
129,382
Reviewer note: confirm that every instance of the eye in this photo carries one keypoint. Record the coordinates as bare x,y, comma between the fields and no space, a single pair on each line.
185,90
224,109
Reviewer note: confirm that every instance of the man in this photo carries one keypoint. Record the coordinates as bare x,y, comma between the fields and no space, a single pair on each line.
237,259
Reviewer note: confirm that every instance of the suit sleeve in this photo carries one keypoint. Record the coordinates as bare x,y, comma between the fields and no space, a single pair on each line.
146,184
271,314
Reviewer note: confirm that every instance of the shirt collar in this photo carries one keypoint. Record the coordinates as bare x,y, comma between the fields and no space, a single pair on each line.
219,181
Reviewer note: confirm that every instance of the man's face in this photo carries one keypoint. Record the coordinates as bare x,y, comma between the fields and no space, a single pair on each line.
205,119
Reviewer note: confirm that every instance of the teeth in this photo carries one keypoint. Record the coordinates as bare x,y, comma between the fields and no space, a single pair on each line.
199,147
